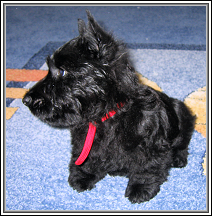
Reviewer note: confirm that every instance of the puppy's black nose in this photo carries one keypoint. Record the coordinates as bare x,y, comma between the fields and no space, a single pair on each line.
27,100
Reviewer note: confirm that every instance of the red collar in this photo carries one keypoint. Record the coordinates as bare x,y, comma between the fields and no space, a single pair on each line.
90,136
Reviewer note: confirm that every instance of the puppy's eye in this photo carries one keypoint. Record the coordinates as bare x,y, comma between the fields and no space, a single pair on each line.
62,72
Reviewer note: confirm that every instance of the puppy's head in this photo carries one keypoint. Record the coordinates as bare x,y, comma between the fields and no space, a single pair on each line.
87,76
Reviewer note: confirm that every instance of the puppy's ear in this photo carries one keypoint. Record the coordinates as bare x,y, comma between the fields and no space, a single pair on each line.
93,26
97,43
99,34
81,27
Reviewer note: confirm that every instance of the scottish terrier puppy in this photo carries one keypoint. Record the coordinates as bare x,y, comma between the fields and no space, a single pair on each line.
118,126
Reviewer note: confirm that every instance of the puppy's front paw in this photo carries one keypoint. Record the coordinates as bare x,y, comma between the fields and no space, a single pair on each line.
138,193
81,184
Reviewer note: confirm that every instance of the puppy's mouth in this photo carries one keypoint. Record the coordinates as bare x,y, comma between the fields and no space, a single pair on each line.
51,112
37,105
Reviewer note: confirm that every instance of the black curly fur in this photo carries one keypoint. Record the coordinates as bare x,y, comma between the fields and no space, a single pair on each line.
88,76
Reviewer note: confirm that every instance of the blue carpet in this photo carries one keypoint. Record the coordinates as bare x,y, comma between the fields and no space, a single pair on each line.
37,155
28,29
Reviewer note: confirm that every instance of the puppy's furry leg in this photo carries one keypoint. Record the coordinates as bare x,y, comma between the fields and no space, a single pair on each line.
186,126
81,180
180,158
143,187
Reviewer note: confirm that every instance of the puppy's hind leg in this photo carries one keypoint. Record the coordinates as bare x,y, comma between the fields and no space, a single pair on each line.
180,158
186,127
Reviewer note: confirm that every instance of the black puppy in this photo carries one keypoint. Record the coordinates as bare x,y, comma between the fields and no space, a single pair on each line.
118,126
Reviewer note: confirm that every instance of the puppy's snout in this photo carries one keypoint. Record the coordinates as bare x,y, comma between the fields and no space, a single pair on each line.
38,103
27,100
35,103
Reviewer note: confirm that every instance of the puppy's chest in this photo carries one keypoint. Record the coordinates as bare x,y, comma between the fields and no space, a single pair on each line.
106,141
106,138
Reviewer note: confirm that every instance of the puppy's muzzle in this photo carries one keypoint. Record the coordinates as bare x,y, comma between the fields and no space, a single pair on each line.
28,101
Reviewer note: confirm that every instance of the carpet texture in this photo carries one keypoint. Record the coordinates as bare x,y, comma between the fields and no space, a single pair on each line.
37,155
